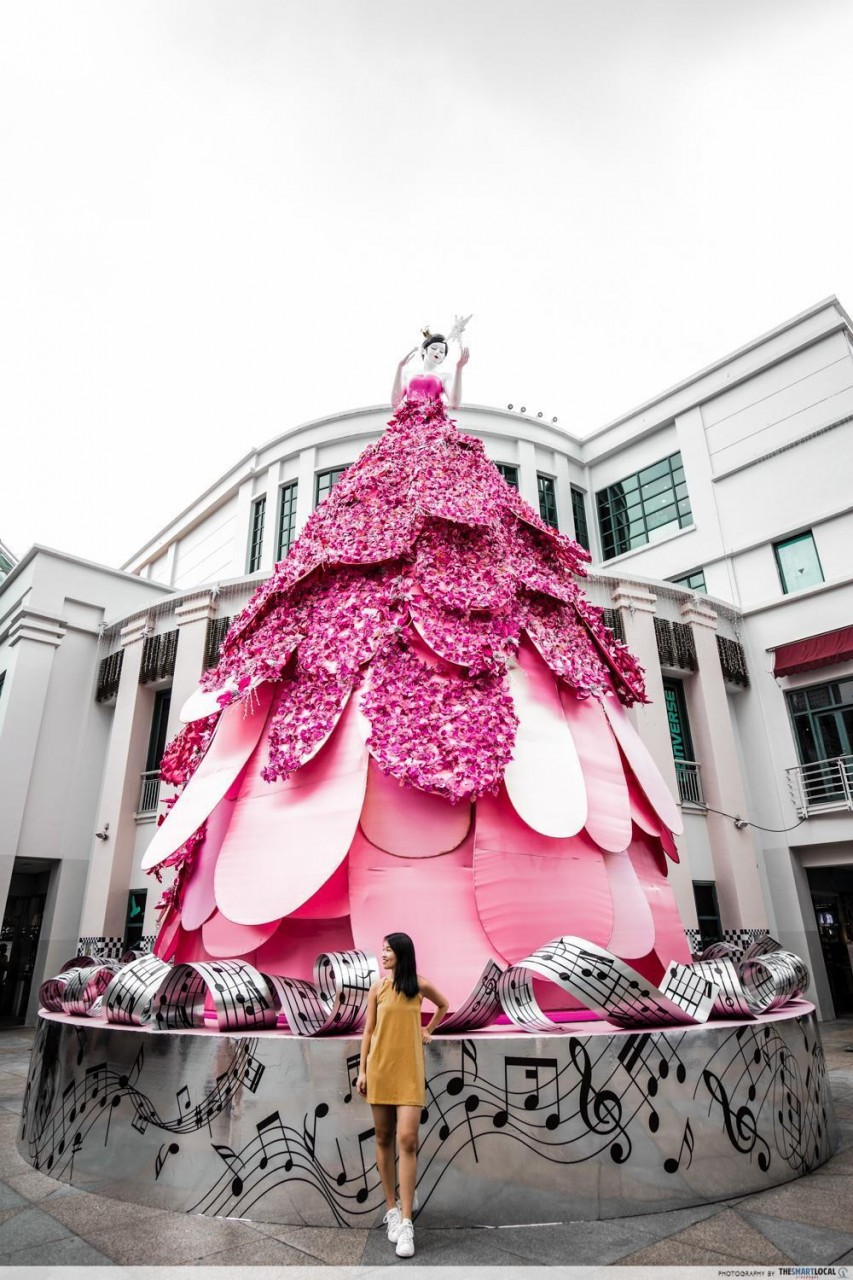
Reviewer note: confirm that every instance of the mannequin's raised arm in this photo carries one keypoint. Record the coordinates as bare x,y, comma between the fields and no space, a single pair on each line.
397,389
456,390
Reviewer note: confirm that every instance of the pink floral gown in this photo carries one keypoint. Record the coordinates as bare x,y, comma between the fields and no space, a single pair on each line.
418,724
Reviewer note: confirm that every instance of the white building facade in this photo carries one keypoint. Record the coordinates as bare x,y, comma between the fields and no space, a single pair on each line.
716,516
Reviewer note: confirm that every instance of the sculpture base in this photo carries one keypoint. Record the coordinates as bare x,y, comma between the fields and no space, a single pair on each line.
591,1123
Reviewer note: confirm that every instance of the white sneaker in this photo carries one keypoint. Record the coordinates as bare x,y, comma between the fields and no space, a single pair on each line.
406,1239
392,1221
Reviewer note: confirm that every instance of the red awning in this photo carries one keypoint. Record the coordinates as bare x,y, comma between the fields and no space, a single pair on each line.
816,651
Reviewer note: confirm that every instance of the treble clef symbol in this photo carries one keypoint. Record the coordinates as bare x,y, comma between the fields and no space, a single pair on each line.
741,1126
600,1109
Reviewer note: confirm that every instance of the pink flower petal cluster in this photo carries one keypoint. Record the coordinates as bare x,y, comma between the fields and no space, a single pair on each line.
421,529
307,709
184,753
566,645
435,729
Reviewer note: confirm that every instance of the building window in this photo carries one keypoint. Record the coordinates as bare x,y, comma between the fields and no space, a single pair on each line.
707,911
510,474
693,581
644,507
217,629
547,500
286,519
579,517
326,481
686,769
822,716
798,563
256,544
134,918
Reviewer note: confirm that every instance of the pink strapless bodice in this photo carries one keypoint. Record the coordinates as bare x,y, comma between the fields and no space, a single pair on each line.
425,387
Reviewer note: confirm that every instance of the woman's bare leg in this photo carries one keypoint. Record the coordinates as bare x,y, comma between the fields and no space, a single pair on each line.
385,1122
408,1119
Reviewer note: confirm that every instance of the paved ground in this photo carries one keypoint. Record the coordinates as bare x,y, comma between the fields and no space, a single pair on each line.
809,1222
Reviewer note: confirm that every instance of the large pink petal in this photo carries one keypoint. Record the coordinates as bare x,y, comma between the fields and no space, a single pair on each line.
608,818
544,779
645,770
287,838
296,944
330,901
633,927
408,822
226,940
642,813
431,901
670,939
199,900
237,733
529,887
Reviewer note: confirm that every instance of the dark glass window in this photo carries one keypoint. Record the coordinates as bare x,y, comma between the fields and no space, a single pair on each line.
286,519
159,726
256,544
707,911
326,481
798,563
643,507
547,500
676,714
693,581
510,474
135,918
822,716
2,680
579,516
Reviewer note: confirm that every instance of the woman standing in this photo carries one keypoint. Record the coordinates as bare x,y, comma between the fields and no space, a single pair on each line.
391,1075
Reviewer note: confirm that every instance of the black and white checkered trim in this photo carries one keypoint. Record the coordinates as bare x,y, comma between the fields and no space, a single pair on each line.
100,948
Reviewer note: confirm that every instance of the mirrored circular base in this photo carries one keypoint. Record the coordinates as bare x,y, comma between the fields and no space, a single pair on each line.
590,1123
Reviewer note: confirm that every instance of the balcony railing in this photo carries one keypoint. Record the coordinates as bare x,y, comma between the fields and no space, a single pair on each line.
149,793
825,786
689,783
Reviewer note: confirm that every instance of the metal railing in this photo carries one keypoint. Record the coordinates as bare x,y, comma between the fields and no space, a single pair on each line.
825,786
149,793
689,783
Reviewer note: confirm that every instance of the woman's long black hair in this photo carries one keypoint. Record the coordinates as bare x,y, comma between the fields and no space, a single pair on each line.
405,970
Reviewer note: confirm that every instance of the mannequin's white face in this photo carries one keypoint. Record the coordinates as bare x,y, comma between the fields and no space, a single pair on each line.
434,354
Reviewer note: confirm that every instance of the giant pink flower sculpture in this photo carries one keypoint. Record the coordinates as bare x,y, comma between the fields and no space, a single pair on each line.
418,723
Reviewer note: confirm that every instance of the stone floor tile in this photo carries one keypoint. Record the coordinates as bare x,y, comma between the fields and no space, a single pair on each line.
70,1252
333,1245
804,1244
729,1233
9,1197
569,1243
443,1247
672,1253
36,1186
90,1213
30,1227
807,1200
658,1225
171,1239
263,1251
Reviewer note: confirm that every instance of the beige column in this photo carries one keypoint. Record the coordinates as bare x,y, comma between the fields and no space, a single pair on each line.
191,617
734,852
111,862
638,606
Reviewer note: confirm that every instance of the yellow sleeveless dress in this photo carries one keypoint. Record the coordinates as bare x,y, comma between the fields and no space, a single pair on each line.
395,1062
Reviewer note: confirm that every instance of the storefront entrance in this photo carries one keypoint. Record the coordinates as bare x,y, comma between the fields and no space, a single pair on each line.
832,896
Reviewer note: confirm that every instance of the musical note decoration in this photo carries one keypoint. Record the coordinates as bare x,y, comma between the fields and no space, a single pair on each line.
759,980
149,991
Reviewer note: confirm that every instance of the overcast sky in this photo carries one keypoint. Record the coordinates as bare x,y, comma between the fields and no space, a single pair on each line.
218,220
